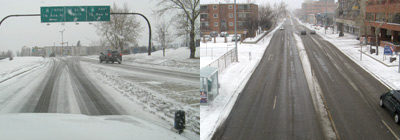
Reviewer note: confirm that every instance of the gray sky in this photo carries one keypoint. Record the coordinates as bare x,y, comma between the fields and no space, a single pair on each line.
16,32
293,4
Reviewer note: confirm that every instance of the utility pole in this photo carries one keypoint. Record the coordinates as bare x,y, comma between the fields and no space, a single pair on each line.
62,42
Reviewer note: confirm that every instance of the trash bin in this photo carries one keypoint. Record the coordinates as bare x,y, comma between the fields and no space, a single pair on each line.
372,51
179,121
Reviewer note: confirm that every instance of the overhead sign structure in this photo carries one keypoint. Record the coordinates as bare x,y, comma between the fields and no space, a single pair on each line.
74,13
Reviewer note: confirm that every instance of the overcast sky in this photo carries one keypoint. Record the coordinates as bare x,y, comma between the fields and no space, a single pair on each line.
16,32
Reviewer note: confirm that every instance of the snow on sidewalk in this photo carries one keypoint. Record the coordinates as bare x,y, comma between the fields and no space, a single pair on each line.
232,80
372,63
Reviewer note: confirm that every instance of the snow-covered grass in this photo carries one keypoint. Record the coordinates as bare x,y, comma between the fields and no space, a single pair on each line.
78,127
372,63
232,81
149,96
19,65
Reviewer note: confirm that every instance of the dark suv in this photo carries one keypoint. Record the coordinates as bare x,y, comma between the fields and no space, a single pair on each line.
391,100
110,55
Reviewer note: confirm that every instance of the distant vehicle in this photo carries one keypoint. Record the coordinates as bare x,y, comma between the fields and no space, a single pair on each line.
207,37
52,55
391,101
238,38
304,32
312,32
281,28
214,34
110,55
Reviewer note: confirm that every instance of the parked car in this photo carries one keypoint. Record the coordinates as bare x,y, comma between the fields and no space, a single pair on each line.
233,38
281,28
391,101
52,55
312,32
224,34
214,34
304,32
110,55
207,37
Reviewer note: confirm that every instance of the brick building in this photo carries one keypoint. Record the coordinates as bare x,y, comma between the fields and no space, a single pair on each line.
346,15
220,17
385,15
322,7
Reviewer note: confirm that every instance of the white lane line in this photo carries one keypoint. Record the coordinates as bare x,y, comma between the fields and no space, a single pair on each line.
274,103
390,130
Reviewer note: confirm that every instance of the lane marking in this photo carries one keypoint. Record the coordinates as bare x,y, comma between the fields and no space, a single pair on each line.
390,130
274,103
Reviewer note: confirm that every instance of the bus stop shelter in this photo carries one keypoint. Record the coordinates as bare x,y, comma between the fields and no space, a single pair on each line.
208,84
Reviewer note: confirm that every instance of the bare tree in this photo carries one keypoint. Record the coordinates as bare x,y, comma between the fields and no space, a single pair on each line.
121,29
266,16
163,35
191,8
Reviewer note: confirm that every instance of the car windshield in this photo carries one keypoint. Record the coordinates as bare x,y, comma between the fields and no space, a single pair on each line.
87,65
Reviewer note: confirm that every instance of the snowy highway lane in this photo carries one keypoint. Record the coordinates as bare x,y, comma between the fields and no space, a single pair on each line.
58,86
77,85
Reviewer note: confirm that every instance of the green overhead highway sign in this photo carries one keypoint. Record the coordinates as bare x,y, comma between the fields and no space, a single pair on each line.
75,13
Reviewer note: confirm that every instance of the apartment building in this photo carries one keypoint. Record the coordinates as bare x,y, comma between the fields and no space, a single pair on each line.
323,11
220,17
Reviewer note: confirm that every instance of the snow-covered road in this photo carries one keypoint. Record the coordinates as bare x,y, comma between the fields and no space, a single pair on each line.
77,85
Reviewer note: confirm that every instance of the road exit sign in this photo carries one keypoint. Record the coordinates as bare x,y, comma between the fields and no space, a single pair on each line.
74,13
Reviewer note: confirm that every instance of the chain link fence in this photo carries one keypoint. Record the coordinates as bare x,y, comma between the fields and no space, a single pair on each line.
225,60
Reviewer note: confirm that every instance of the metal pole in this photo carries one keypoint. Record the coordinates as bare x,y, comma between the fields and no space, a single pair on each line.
62,42
26,15
148,24
234,9
399,62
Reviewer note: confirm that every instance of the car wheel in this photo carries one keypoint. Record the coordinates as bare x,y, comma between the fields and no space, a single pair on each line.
381,103
119,62
396,118
112,62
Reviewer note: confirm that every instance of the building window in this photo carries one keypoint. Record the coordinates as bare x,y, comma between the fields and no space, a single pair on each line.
215,15
230,7
244,15
230,23
215,7
203,8
230,15
203,16
243,7
369,16
380,17
215,24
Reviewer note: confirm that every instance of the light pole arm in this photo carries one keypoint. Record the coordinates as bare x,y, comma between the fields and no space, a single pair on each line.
148,24
24,15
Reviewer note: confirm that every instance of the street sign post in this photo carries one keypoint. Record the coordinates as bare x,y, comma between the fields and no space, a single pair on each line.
388,50
74,13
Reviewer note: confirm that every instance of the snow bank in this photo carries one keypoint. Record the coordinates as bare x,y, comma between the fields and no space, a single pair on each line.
9,69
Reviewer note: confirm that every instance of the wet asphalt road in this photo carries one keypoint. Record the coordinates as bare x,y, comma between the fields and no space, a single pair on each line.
276,102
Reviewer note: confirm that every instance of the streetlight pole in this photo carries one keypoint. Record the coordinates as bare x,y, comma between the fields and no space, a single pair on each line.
62,42
234,9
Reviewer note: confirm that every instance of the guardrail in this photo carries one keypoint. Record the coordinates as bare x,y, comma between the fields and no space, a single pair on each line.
225,60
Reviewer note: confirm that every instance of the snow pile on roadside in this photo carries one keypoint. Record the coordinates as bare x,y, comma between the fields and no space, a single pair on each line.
232,81
18,65
154,98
